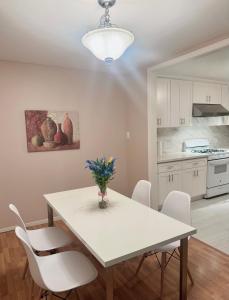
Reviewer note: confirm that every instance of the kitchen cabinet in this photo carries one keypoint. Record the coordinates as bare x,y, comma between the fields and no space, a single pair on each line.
214,91
174,103
189,176
163,102
206,93
175,98
168,182
181,103
200,93
225,96
194,181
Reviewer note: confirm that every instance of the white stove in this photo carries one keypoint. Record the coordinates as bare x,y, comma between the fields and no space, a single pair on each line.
212,153
218,165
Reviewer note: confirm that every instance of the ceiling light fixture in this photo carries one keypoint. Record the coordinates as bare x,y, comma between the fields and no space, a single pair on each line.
108,42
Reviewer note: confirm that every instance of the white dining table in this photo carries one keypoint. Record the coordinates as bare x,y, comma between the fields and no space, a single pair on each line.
124,230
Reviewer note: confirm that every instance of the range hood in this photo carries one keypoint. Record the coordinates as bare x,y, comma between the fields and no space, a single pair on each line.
208,110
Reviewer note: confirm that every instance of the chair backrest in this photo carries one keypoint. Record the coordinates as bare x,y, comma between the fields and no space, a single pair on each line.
20,222
141,192
32,257
178,206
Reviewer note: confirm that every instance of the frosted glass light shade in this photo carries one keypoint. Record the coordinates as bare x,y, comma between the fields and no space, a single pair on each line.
108,43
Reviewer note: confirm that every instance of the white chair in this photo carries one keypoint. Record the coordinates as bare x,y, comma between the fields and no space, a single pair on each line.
141,192
178,206
43,239
57,273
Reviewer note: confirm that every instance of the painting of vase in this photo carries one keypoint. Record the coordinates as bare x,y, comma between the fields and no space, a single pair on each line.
52,130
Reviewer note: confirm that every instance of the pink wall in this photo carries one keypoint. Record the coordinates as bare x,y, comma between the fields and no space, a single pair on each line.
102,106
137,126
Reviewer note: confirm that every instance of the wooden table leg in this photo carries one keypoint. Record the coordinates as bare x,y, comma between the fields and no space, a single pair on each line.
109,284
183,268
50,216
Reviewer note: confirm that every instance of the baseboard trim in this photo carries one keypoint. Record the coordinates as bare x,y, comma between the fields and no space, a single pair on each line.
33,223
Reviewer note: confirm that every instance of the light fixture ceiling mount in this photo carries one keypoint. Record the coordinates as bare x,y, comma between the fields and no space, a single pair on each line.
108,42
106,3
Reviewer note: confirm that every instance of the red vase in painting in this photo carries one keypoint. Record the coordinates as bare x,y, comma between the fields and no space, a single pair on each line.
68,129
60,138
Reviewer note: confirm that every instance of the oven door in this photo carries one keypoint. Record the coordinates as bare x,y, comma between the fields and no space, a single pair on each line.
218,172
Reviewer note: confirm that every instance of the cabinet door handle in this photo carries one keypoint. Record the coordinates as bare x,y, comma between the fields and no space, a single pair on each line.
210,99
194,173
182,121
197,172
158,121
169,177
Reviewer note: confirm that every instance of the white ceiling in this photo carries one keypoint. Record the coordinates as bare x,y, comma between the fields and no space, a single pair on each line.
214,65
49,31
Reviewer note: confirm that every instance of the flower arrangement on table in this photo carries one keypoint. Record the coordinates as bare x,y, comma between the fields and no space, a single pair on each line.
103,171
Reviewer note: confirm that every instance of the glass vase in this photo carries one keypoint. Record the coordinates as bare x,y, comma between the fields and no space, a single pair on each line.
103,200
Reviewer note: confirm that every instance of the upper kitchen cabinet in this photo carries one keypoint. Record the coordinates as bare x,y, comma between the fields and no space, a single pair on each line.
225,96
206,93
214,93
174,103
181,103
163,102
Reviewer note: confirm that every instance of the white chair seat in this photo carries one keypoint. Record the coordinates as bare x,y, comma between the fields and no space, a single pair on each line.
65,271
48,238
169,247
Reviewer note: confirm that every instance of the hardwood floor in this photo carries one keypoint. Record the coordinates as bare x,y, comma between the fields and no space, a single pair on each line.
210,270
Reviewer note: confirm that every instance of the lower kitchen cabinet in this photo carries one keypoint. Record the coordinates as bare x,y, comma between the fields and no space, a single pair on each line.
194,181
188,176
168,182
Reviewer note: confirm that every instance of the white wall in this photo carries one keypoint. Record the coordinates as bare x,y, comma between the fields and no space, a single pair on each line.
102,106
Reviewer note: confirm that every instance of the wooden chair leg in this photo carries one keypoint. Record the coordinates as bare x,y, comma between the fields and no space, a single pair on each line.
140,264
39,293
31,289
77,294
25,269
163,265
190,276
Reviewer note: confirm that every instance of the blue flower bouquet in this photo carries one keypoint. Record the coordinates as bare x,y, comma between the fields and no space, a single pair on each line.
103,171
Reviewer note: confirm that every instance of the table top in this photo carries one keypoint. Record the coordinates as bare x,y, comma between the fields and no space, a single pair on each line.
125,229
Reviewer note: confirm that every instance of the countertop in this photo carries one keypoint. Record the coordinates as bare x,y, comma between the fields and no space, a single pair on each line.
170,157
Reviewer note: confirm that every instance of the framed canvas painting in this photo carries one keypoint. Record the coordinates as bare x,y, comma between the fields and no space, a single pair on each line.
52,130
